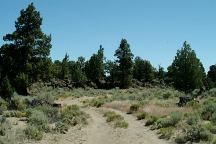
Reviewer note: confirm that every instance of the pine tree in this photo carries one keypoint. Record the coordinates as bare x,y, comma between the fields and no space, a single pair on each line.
125,63
212,76
28,47
143,70
65,67
95,66
186,70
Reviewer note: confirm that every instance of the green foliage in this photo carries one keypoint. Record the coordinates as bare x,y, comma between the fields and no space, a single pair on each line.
141,116
17,103
133,108
180,139
64,74
174,118
21,84
116,119
125,63
38,119
27,47
151,120
186,71
192,119
32,132
6,90
143,70
208,110
166,133
212,76
95,66
71,115
121,124
4,125
3,104
61,127
196,133
51,112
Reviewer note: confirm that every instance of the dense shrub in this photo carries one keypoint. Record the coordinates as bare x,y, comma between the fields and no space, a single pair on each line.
197,133
172,120
3,104
192,119
151,120
208,110
21,84
117,120
72,115
39,120
180,139
17,103
6,90
51,112
32,132
134,108
166,133
4,125
61,127
141,116
213,118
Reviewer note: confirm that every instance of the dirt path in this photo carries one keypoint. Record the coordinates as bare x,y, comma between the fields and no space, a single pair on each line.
99,132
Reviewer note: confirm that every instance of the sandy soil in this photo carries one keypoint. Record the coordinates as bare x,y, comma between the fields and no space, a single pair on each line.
99,132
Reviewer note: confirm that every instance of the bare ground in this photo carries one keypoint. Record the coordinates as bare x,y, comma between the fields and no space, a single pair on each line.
100,132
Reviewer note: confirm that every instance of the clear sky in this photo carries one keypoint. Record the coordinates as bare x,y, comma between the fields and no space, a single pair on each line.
155,29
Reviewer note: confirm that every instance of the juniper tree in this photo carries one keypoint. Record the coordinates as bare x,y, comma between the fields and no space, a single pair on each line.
125,63
187,71
27,48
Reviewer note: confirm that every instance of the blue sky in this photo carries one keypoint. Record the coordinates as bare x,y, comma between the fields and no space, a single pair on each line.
155,29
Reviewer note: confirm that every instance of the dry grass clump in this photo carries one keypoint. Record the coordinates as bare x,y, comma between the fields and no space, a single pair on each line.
115,119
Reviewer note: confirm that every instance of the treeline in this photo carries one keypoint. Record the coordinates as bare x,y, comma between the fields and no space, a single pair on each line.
25,59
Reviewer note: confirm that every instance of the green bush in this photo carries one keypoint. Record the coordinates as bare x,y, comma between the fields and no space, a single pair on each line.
14,113
32,132
167,95
134,108
4,125
121,124
174,118
208,110
116,119
198,133
97,102
17,103
39,120
21,84
6,90
61,127
51,112
213,118
192,119
180,139
166,133
141,116
3,104
151,120
112,116
72,115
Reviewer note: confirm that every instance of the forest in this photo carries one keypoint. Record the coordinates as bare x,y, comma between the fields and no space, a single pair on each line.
26,65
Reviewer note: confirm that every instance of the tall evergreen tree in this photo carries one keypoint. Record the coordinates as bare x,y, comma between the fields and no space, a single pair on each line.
28,47
212,76
65,67
125,63
95,66
143,70
186,70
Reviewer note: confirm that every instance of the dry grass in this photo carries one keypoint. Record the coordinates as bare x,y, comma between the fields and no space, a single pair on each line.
123,106
157,110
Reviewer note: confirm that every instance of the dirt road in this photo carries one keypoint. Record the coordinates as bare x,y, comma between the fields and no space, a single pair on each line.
99,132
